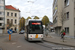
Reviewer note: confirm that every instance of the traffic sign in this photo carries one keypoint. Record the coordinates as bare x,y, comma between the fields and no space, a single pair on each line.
10,31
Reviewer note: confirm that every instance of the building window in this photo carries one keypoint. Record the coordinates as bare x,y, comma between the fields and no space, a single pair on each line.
66,2
67,15
7,13
1,18
67,30
15,14
15,21
1,13
15,28
1,7
11,21
11,14
7,21
0,24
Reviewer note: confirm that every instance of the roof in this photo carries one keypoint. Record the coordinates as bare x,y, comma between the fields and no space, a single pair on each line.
11,7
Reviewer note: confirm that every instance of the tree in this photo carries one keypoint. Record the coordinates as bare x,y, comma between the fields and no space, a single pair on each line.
22,23
29,18
45,20
36,17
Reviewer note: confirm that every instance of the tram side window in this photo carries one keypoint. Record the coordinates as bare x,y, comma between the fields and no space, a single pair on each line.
26,28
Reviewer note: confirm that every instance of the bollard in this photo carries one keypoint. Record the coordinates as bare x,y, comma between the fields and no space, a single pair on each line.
9,37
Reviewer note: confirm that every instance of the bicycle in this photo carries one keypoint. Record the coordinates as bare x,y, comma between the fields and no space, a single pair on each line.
62,37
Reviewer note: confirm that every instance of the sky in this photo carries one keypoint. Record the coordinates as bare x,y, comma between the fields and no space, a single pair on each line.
31,8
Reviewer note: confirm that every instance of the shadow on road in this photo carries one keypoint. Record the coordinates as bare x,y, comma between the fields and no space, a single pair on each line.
35,41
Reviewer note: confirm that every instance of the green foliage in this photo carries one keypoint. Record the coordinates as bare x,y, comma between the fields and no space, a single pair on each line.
62,31
45,20
36,17
22,23
29,18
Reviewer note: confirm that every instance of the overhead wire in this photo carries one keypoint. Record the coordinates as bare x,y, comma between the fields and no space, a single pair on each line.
32,5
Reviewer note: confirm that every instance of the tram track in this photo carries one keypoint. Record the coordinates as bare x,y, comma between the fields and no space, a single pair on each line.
53,46
44,45
41,44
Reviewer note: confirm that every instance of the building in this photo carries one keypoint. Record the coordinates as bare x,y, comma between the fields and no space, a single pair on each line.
57,8
12,17
64,16
2,16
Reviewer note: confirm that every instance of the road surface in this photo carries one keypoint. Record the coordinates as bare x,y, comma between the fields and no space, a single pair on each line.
19,43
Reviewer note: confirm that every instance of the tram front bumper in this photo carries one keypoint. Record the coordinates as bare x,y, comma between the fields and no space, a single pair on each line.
35,39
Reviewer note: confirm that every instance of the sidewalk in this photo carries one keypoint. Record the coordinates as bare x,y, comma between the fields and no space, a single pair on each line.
52,38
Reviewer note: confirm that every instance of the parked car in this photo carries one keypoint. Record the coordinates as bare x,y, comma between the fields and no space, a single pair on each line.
22,32
14,31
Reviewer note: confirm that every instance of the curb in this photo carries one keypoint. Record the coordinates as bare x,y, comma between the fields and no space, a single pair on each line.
58,43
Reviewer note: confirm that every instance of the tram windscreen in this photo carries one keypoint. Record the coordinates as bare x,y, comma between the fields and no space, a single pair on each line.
36,27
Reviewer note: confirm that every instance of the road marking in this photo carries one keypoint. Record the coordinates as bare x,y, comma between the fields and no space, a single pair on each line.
18,46
14,43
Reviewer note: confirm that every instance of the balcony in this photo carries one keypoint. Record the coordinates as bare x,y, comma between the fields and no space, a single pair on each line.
1,15
1,21
54,4
1,4
57,23
2,10
54,12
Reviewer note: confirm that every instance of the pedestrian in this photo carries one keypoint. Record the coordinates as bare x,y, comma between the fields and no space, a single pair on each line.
63,34
46,34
